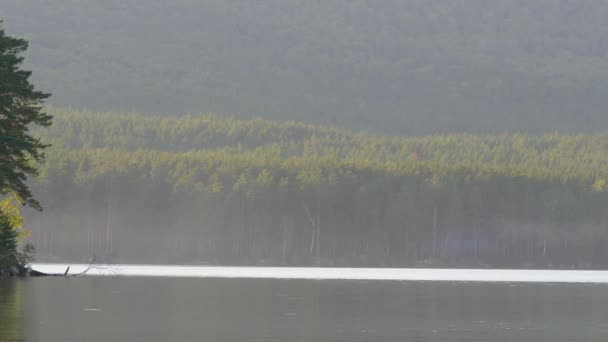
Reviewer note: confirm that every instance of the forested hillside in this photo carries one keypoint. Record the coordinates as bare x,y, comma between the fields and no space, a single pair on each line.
207,189
401,67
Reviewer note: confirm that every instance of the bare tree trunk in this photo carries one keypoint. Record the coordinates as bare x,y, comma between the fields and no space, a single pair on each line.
51,244
285,238
476,240
108,219
446,243
312,223
89,247
434,252
317,237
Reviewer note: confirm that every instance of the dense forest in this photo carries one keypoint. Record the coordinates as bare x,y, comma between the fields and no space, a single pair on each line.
210,189
400,67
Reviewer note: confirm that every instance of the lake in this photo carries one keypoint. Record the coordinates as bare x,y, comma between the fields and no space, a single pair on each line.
230,309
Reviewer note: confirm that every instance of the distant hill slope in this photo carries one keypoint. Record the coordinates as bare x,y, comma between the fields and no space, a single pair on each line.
400,67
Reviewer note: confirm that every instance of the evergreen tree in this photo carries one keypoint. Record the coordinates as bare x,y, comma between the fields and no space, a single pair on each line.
20,108
8,243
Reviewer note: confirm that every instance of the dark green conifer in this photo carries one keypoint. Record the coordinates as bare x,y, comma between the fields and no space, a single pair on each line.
8,243
20,108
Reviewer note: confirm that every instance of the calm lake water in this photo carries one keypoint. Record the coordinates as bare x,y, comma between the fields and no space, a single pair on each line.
200,309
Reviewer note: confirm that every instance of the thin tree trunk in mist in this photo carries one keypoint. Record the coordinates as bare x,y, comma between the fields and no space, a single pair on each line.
312,223
284,249
434,253
89,249
108,221
318,245
445,244
50,243
476,233
288,232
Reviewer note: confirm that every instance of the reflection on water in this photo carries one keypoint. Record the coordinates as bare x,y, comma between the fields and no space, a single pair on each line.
11,310
182,309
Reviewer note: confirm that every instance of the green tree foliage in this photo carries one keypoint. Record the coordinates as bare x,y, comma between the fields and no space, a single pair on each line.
224,190
8,243
19,111
11,233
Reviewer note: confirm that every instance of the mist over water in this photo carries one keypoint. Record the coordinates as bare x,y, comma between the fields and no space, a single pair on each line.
329,273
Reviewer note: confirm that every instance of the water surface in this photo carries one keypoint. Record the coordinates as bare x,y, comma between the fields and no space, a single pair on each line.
214,309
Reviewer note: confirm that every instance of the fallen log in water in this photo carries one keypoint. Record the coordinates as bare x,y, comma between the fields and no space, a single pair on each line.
34,273
24,271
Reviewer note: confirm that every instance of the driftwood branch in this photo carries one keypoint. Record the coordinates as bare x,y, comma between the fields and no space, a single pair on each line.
92,266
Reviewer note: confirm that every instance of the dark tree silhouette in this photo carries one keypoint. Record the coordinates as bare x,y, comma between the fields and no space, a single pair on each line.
20,108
